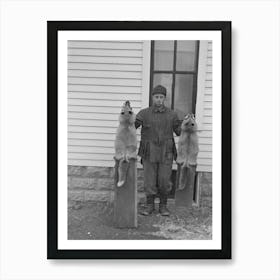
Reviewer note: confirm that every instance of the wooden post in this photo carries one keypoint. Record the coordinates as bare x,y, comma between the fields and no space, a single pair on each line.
184,197
197,189
125,200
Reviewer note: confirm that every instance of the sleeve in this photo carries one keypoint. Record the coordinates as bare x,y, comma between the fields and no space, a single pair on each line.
139,119
176,124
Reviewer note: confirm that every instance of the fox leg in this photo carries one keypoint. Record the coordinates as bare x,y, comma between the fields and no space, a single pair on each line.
182,178
119,156
131,152
186,164
180,160
131,156
122,171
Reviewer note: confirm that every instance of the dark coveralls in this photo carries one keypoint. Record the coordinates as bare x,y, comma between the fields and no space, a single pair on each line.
157,147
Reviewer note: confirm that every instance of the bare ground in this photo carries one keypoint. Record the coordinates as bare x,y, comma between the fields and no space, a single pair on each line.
94,220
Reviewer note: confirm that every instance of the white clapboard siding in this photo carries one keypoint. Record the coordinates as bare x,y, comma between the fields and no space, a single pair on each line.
89,143
204,107
104,81
90,150
93,109
104,53
101,76
105,74
103,88
93,116
104,67
92,123
102,96
105,59
93,136
91,129
99,103
108,45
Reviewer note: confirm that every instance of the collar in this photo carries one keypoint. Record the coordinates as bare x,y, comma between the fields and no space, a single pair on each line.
159,109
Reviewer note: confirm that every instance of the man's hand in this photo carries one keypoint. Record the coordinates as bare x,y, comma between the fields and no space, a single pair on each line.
138,123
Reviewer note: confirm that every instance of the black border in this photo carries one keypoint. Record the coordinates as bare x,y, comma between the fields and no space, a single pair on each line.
52,81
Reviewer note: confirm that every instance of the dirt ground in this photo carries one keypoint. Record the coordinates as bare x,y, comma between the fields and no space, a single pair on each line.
94,220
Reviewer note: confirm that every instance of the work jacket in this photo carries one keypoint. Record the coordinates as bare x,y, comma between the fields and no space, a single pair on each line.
157,141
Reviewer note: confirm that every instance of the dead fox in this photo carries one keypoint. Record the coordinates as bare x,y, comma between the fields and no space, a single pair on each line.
187,147
125,142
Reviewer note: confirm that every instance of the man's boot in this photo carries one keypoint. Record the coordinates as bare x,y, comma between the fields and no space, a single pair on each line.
162,206
150,205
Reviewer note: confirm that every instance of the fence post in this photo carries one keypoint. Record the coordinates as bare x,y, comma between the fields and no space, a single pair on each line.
184,197
125,198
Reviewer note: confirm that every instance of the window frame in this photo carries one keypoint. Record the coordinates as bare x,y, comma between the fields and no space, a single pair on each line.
174,72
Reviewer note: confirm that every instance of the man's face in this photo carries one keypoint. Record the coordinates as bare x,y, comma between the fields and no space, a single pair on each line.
158,99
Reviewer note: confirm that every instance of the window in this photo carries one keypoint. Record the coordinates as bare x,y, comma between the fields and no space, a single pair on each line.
174,65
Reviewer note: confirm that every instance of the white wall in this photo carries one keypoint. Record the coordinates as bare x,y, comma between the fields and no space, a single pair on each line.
101,76
204,106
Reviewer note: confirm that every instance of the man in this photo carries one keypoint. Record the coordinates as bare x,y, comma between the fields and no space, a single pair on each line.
157,149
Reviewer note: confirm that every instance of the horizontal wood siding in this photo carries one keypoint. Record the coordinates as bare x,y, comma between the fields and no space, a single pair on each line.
101,76
204,107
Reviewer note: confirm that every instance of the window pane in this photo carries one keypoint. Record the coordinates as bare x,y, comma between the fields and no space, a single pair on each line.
166,81
183,94
185,55
163,55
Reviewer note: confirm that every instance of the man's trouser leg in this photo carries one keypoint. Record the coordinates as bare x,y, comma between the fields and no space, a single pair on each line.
150,181
164,177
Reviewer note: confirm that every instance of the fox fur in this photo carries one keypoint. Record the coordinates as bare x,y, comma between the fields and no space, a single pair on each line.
187,147
125,141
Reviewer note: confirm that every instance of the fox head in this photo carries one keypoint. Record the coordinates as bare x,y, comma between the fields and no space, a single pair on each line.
189,123
127,116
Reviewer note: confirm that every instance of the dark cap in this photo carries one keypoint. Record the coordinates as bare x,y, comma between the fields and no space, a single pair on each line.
159,90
